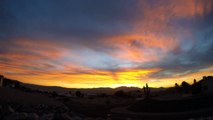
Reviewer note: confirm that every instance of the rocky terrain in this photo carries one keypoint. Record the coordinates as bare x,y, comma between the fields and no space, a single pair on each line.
16,104
18,101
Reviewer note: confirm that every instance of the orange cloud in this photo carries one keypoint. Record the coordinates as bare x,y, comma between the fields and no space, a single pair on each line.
159,16
141,48
154,34
128,77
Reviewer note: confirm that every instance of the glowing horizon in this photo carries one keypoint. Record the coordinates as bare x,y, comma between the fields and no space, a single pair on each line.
82,44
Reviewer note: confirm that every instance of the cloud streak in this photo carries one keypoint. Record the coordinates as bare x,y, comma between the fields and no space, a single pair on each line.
106,43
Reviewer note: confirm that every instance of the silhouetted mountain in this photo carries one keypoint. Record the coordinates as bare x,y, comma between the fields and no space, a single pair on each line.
207,83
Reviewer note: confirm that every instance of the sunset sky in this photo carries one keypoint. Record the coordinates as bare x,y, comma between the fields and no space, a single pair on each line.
106,43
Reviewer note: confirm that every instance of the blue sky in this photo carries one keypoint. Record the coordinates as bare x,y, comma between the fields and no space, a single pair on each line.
44,39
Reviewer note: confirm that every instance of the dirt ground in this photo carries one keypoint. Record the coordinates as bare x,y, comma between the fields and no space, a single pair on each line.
12,95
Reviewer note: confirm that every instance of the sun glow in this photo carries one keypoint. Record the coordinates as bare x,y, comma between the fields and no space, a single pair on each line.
129,78
158,42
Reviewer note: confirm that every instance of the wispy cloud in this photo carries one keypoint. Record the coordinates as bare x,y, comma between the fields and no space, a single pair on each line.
106,43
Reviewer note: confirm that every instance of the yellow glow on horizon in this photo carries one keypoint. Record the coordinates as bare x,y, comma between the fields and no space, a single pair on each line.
128,78
111,54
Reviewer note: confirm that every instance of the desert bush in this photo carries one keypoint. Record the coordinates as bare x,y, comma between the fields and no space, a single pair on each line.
120,93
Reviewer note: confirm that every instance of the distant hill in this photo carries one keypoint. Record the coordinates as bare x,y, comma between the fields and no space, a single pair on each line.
87,90
207,81
84,90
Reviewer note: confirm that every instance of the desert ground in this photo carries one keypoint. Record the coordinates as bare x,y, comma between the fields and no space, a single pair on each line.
31,102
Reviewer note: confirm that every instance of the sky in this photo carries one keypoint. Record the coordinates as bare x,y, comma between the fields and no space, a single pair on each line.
106,43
